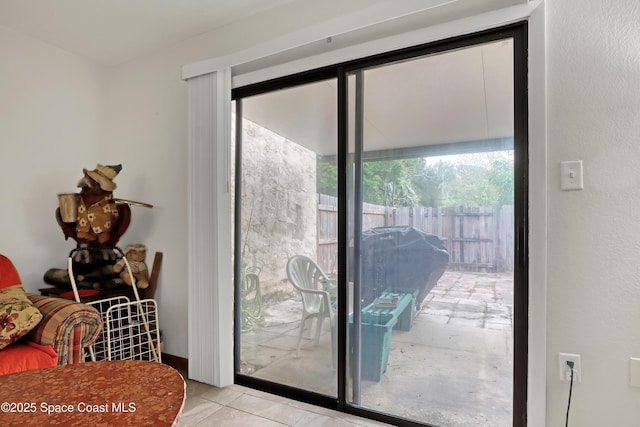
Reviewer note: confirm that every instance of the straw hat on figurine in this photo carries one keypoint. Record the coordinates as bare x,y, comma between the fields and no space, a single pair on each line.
104,175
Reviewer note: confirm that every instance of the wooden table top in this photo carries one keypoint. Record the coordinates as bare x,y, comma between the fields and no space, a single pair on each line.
104,393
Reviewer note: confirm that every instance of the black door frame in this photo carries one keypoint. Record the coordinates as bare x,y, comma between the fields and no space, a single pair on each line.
518,33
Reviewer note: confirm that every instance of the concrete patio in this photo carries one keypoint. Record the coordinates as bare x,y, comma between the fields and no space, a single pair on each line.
453,368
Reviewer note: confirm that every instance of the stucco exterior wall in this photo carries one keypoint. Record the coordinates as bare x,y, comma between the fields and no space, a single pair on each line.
279,207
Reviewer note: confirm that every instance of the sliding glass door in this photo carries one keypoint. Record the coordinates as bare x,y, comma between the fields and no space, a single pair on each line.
431,318
380,223
286,237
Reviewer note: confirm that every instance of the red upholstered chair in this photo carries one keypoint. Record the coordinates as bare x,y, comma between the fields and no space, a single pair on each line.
8,273
65,330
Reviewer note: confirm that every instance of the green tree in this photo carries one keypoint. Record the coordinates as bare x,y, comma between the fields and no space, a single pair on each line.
383,182
428,181
500,176
479,179
327,178
388,183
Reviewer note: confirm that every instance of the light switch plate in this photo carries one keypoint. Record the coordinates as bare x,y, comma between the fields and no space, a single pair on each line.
634,372
571,175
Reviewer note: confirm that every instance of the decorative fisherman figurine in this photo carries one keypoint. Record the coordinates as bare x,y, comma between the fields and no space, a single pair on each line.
92,217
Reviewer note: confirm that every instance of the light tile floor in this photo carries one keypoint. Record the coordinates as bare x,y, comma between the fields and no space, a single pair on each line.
240,406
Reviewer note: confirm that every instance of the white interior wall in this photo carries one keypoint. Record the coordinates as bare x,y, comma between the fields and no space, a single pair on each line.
593,58
51,126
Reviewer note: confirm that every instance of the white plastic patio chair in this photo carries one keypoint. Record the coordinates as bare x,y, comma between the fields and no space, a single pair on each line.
315,290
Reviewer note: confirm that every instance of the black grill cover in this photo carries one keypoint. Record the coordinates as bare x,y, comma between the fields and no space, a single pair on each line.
401,257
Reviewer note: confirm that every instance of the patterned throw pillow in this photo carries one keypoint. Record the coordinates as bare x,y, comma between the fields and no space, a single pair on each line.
17,315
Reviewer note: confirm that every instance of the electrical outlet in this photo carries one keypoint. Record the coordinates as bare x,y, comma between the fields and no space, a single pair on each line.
565,370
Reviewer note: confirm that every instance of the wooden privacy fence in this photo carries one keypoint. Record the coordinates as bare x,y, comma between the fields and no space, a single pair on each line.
477,238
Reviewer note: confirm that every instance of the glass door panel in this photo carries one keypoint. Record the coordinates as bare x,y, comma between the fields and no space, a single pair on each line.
431,232
287,247
424,233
